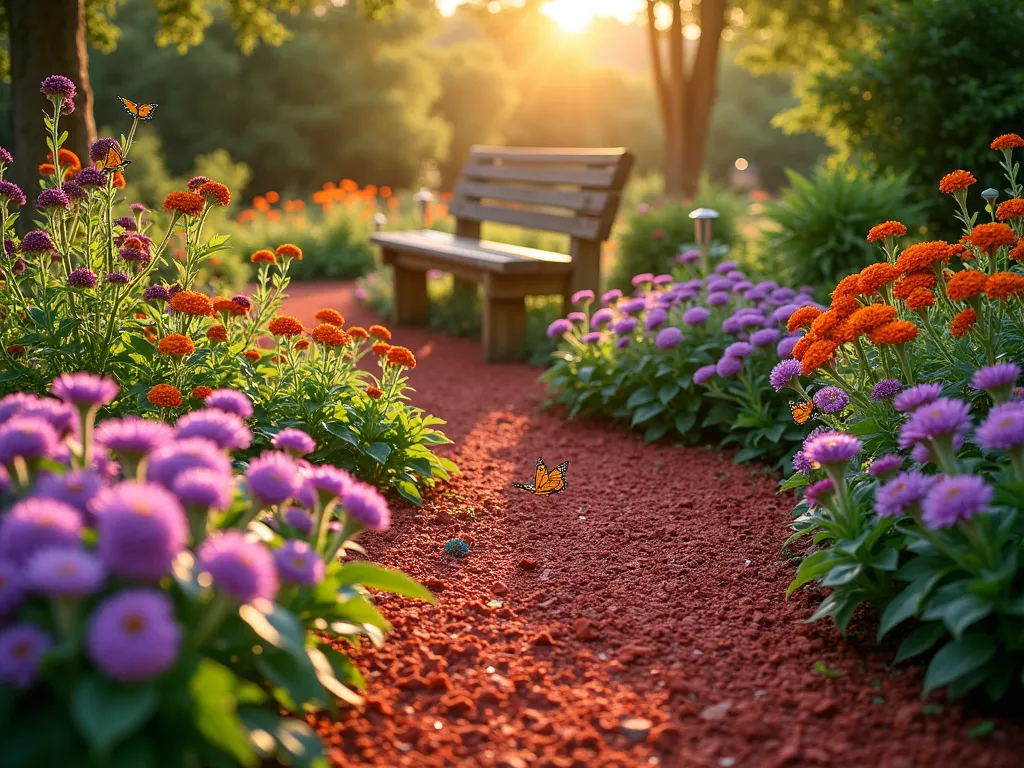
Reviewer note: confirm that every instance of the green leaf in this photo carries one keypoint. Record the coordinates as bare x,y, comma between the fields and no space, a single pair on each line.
684,422
814,566
982,730
825,671
106,712
641,396
409,492
655,432
667,392
646,412
746,454
379,451
920,640
842,574
798,480
965,611
958,658
213,692
279,627
295,676
903,606
373,575
300,743
886,560
341,431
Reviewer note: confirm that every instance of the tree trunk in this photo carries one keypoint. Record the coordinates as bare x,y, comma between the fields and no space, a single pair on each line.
675,135
701,89
47,37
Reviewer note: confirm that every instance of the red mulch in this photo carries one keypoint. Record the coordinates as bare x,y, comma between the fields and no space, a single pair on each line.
653,587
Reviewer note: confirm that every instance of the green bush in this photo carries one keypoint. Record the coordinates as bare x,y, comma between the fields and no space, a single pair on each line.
817,232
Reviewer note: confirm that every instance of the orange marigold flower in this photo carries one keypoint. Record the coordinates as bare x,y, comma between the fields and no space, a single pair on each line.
402,356
886,229
1010,209
380,348
848,286
289,250
285,325
373,392
215,192
801,347
1003,285
228,307
302,344
896,332
866,319
1007,141
800,318
47,169
252,354
961,250
920,298
119,179
380,332
140,315
825,322
330,316
910,283
963,322
67,158
188,203
819,353
1017,253
217,333
164,396
845,332
176,345
358,332
263,256
920,256
965,284
985,237
192,303
330,336
15,350
956,180
875,276
844,306
201,392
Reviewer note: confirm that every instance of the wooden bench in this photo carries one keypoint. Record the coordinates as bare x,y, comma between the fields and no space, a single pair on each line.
572,191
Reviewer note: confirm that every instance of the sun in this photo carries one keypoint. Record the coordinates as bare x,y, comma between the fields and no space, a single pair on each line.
572,16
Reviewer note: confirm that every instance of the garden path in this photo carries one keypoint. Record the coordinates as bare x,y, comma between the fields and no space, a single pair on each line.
653,587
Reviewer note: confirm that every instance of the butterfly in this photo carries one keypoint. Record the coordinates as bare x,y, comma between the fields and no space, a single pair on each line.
801,411
141,111
113,160
546,482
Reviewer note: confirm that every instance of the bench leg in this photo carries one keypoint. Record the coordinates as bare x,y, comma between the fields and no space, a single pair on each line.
504,329
409,304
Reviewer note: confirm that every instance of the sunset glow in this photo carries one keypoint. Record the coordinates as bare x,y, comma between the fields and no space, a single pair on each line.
574,15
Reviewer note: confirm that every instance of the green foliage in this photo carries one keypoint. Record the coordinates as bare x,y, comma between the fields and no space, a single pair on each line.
817,232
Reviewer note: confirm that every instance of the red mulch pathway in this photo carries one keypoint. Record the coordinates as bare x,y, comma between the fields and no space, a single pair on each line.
653,587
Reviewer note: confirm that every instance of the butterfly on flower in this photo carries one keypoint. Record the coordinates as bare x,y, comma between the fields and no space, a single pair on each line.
801,411
547,481
140,111
113,160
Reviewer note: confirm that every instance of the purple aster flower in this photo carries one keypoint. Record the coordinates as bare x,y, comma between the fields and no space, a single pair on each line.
156,293
703,374
915,397
52,199
726,267
718,299
82,278
577,317
37,241
953,500
64,572
816,493
134,255
230,401
655,319
696,316
137,208
719,284
756,294
298,563
61,416
1003,428
735,274
15,404
85,390
133,636
133,437
197,181
273,477
764,337
662,279
742,286
886,388
76,488
611,296
884,466
168,461
738,349
26,437
633,306
902,494
6,158
74,190
11,248
12,192
299,519
35,524
688,257
785,347
241,568
623,342
643,277
592,338
12,588
669,338
832,448
116,278
582,296
831,400
226,430
728,366
99,148
624,326
783,294
365,504
294,441
205,489
58,87
328,482
127,222
559,327
935,420
602,317
783,373
90,177
801,463
241,300
22,648
998,378
781,315
141,528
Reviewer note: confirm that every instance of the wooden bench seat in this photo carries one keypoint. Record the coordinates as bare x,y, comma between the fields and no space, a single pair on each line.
572,191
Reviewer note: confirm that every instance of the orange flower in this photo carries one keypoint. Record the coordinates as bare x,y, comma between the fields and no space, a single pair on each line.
845,332
289,250
176,345
866,319
848,286
985,237
844,306
164,396
385,191
819,353
67,159
140,315
955,181
47,169
252,354
373,392
358,332
825,322
959,249
187,203
217,333
402,356
1003,285
920,299
1007,141
965,284
380,332
192,303
886,229
330,316
302,344
201,392
16,350
896,332
119,179
800,318
263,256
228,307
215,192
330,336
285,325
920,256
910,283
875,276
801,347
1017,254
1010,209
272,196
380,348
962,323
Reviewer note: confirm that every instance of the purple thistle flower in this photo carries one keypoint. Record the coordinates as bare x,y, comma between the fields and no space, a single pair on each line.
90,177
64,572
785,347
781,315
6,158
696,316
205,489
51,199
577,317
116,278
884,466
226,430
230,401
633,306
998,378
832,448
197,181
76,488
726,267
611,296
84,390
273,477
735,274
662,279
365,504
22,648
294,441
298,563
935,420
141,528
12,588
592,338
764,337
15,404
756,294
137,208
241,300
132,436
82,278
831,400
74,190
67,107
742,286
668,338
241,568
170,460
886,388
688,257
58,87
133,636
26,437
127,222
624,326
902,494
134,255
915,397
12,192
35,524
580,297
156,293
728,366
801,463
703,374
623,342
953,500
738,349
816,493
718,299
602,317
559,327
643,277
328,482
719,284
299,519
783,294
783,373
37,241
655,319
1003,428
99,148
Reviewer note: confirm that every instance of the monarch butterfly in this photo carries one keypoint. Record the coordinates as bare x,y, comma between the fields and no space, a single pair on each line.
546,481
113,160
141,111
801,411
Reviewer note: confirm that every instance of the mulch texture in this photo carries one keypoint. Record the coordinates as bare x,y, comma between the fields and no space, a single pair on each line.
638,618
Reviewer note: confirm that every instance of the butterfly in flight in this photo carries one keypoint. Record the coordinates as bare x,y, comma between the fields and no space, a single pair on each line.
801,411
113,160
547,481
140,111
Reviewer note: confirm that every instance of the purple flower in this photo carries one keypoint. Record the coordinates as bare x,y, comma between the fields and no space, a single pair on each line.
725,267
298,563
141,528
127,222
609,296
592,338
576,317
22,648
696,315
241,568
37,241
132,436
26,437
886,388
99,148
365,504
735,274
273,477
781,315
633,306
559,327
655,319
35,524
688,257
226,430
764,337
738,349
61,416
668,338
953,500
643,277
74,190
11,191
783,373
64,572
6,158
728,366
241,300
230,401
662,279
915,397
204,488
197,181
134,255
328,482
783,294
90,177
884,466
67,107
75,488
294,441
602,317
900,495
998,378
1003,428
133,635
718,299
582,296
84,390
742,286
785,347
156,293
82,278
935,420
12,588
719,284
168,461
299,519
832,448
703,374
831,400
57,87
116,278
624,326
801,463
815,493
51,199
137,208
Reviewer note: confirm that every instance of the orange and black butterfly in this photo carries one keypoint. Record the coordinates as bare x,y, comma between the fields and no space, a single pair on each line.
801,411
141,111
113,160
546,482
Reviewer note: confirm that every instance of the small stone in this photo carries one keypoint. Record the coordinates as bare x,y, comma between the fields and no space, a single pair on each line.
510,761
636,728
545,574
825,707
543,638
667,736
499,588
528,564
434,584
494,603
715,712
584,630
727,762
698,652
